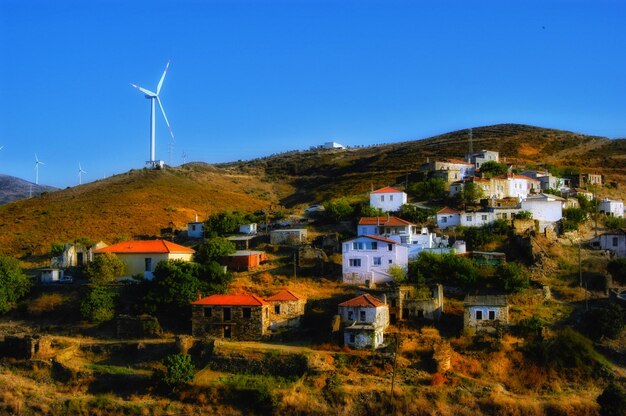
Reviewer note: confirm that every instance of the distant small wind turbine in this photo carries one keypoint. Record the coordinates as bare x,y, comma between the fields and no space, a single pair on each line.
37,163
80,174
154,96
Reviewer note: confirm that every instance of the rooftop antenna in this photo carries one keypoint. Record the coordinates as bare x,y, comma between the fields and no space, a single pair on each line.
80,174
154,98
37,163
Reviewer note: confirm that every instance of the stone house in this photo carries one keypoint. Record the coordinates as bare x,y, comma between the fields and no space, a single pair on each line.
410,302
288,236
236,317
363,321
485,314
450,170
286,308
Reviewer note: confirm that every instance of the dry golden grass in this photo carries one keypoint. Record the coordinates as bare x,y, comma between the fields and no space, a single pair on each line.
45,303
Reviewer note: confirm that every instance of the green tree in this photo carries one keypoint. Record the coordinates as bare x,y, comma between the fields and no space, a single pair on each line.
572,218
614,223
179,369
413,214
213,250
524,215
492,168
99,304
56,249
14,284
338,209
617,269
366,210
446,268
512,277
430,189
606,322
223,223
105,268
397,273
470,194
176,284
612,400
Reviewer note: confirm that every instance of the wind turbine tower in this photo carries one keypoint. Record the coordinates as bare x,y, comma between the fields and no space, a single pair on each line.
37,163
80,174
154,98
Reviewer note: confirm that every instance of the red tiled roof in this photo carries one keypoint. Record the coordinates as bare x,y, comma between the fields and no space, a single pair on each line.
458,162
515,176
366,300
284,295
231,300
391,221
387,190
375,237
447,210
145,246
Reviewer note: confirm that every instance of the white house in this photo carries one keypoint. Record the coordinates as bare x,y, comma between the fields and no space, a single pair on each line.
195,229
476,219
76,255
367,258
448,217
517,186
546,208
248,228
333,145
364,320
387,199
483,156
611,207
614,241
546,179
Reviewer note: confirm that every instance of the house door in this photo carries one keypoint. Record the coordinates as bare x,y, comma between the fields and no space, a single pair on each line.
79,259
227,331
226,314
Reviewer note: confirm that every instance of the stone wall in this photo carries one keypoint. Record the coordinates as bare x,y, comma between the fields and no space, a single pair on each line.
27,346
290,312
209,321
473,326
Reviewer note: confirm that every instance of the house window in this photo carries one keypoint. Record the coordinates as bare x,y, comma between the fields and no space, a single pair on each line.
492,315
247,313
382,198
376,261
351,337
207,312
277,309
355,262
484,217
193,228
374,245
390,261
444,219
357,245
390,197
362,315
614,241
468,218
504,215
350,315
390,247
479,315
148,264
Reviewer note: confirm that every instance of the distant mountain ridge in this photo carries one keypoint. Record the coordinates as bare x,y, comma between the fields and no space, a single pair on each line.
141,202
13,189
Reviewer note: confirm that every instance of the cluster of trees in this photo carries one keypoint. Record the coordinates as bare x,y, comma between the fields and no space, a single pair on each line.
227,222
476,237
14,284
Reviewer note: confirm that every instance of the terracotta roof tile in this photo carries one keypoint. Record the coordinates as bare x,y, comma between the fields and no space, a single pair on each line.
284,295
365,300
388,221
386,190
145,246
231,300
447,210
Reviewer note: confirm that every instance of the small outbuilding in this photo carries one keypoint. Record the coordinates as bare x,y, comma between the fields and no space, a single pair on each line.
288,236
245,259
286,308
485,314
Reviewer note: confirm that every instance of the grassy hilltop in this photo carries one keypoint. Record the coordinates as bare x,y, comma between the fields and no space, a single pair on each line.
142,202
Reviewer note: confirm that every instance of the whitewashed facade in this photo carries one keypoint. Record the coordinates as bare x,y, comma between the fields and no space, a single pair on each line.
364,320
387,199
611,207
613,241
545,208
366,259
195,229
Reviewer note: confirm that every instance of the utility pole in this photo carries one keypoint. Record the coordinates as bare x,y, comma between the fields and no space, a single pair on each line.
393,374
580,266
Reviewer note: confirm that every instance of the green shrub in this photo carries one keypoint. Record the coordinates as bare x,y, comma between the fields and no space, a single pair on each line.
99,304
606,322
105,268
14,284
512,277
179,369
617,269
612,400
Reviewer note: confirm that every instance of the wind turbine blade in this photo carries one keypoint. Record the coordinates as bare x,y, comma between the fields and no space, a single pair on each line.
162,78
36,158
165,117
145,91
1,147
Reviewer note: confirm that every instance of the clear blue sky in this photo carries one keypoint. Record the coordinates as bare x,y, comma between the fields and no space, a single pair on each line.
251,78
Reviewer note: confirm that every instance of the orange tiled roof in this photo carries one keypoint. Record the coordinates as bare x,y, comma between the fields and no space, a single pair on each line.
515,176
447,210
363,301
231,300
391,221
284,295
458,162
145,246
387,190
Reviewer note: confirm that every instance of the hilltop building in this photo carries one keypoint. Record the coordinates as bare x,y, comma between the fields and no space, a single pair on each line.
141,257
195,229
387,199
364,320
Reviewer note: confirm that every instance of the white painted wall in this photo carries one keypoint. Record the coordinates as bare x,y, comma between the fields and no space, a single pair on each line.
388,202
546,211
367,260
612,207
195,230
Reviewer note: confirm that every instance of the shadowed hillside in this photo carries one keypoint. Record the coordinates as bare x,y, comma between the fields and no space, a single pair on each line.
12,189
140,203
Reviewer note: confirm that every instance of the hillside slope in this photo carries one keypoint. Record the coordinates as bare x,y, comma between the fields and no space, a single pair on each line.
13,189
140,203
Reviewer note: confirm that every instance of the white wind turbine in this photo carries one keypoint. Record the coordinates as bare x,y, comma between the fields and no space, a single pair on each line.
154,97
37,163
80,174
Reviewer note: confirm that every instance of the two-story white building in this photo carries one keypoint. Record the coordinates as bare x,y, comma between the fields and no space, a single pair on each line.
611,207
387,199
367,258
517,186
364,320
448,217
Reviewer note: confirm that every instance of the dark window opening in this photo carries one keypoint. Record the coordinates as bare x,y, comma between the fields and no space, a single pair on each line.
227,314
247,313
277,309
